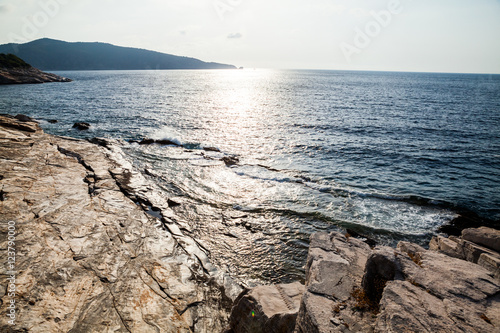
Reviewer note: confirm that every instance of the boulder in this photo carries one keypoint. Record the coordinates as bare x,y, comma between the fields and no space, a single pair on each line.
491,263
484,236
81,126
267,309
230,160
211,149
353,288
334,269
166,142
152,141
24,118
439,293
474,244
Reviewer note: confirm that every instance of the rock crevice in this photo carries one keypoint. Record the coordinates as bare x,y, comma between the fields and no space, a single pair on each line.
351,287
88,258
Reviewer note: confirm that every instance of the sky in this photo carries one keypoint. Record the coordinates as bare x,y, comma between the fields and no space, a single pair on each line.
389,35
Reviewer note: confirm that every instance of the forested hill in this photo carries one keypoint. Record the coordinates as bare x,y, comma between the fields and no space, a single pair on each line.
50,54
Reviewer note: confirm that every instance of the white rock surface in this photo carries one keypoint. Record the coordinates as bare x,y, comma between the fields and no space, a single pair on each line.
88,259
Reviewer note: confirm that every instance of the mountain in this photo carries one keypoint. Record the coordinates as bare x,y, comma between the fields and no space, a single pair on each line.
50,54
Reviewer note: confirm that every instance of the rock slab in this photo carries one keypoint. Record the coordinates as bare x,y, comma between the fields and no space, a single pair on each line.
88,259
264,309
351,287
477,245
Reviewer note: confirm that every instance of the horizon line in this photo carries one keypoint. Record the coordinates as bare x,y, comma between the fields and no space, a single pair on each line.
251,67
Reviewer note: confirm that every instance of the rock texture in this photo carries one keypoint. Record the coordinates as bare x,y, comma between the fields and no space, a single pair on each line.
267,309
334,272
19,122
89,259
478,245
351,287
28,75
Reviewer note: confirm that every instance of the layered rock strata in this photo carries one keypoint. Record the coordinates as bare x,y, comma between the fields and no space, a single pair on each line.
28,75
89,259
351,287
478,245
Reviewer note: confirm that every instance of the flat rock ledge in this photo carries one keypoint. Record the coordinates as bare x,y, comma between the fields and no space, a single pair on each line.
28,75
351,287
87,257
478,245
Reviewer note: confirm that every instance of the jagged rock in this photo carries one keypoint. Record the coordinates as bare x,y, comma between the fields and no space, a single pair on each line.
88,258
439,293
230,160
491,263
81,126
484,236
464,220
335,266
25,118
381,267
407,308
12,122
211,149
152,141
352,288
267,309
464,248
149,195
166,142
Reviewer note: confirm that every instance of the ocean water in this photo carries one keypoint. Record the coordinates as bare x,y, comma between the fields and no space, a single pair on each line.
390,155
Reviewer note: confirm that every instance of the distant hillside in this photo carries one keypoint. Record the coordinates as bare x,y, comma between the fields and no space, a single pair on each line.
9,61
50,54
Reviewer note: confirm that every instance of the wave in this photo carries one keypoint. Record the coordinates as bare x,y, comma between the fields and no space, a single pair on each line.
387,234
168,133
171,134
318,184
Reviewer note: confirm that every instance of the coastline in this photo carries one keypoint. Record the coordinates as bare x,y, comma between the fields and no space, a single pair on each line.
96,251
28,76
87,258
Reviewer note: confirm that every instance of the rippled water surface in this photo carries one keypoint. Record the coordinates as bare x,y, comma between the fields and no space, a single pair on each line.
393,155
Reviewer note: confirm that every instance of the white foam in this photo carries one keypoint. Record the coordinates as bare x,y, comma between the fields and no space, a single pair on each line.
168,133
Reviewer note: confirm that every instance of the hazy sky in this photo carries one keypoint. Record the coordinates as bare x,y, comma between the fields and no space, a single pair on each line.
402,35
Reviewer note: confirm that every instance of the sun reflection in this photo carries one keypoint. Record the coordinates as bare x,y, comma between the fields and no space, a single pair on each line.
235,104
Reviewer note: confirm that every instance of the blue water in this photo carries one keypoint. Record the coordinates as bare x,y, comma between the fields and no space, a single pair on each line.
392,155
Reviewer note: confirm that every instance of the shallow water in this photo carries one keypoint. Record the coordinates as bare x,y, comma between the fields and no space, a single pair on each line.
392,155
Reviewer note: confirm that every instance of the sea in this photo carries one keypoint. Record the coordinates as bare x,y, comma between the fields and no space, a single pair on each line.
392,156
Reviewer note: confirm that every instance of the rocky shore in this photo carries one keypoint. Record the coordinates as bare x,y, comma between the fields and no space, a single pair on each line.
14,70
352,287
97,248
28,75
87,257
